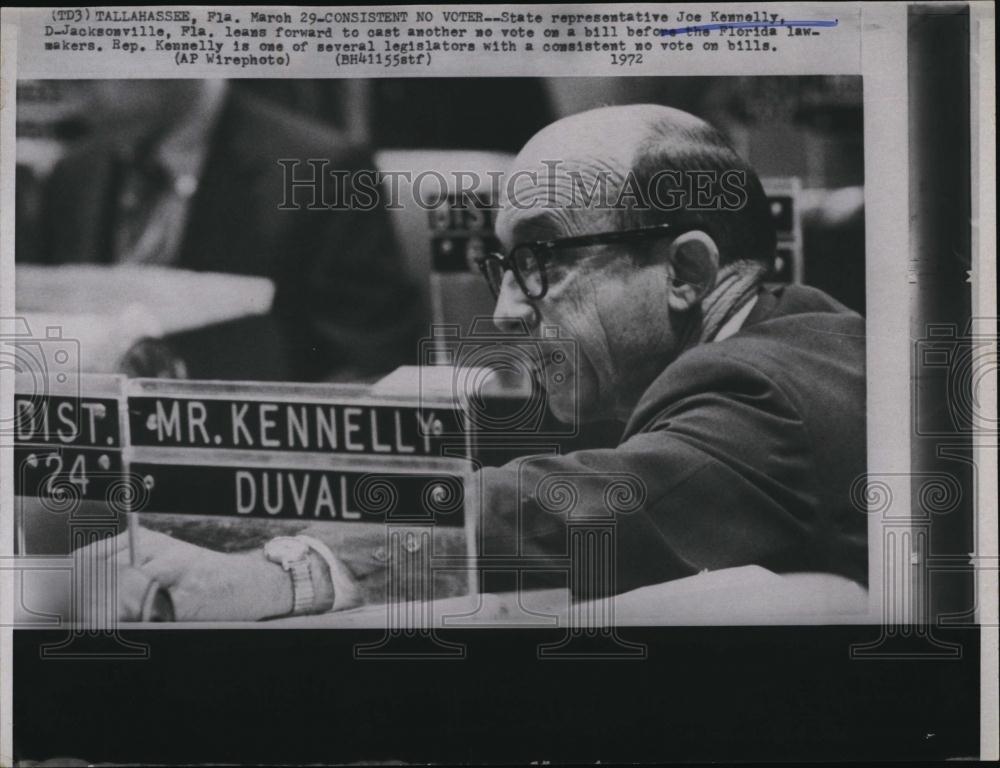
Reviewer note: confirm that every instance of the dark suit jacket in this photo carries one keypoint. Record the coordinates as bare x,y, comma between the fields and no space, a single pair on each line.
744,452
343,298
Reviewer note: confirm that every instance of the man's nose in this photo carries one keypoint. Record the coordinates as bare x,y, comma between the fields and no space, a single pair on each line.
513,311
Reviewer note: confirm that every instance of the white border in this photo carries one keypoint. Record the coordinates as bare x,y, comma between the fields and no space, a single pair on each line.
883,64
887,259
982,29
8,71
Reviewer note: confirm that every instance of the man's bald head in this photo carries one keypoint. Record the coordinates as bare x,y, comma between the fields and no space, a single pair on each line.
621,167
631,304
613,133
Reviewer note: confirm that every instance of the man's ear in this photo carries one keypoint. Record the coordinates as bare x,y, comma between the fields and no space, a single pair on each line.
693,265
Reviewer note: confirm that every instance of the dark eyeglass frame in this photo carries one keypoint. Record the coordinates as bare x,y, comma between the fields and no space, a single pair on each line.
541,250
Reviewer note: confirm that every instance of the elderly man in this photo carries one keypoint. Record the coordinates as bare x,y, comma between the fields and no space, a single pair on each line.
745,405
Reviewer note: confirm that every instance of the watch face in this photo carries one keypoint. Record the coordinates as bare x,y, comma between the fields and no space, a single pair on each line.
285,549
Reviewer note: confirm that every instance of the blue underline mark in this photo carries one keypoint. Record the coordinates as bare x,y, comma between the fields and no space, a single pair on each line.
674,31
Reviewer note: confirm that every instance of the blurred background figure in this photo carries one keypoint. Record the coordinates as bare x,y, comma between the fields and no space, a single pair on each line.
183,175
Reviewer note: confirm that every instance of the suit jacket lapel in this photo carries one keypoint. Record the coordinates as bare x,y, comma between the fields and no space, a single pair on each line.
767,302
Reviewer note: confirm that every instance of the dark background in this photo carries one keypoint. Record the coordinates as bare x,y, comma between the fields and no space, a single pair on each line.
703,694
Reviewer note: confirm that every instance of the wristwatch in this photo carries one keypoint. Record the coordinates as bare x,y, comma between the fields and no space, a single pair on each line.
292,554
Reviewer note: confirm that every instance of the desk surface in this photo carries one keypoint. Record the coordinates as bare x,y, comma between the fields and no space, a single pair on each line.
741,596
737,596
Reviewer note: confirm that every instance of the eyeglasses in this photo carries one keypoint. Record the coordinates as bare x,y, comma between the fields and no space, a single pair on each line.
528,260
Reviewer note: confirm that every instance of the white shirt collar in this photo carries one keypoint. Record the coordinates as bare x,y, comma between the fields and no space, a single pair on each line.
733,324
182,152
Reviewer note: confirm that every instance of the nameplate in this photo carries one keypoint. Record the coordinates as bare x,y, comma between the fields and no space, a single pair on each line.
307,495
67,473
287,418
190,441
321,427
65,420
68,437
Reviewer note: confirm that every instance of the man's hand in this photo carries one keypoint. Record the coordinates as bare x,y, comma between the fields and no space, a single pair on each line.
205,585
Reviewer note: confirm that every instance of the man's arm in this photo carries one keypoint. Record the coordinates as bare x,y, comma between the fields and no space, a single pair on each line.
204,585
716,480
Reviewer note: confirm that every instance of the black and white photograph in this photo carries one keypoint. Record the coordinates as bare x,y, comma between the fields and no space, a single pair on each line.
736,475
477,415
